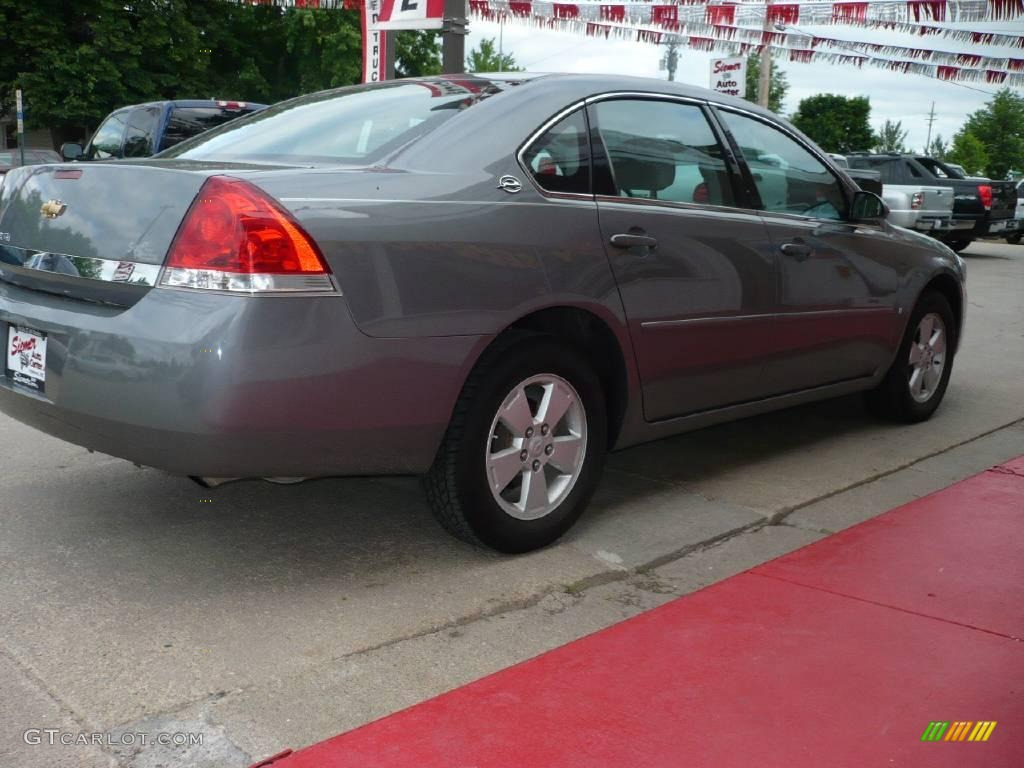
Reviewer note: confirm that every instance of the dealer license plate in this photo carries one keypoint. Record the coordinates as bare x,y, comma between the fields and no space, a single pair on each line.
26,358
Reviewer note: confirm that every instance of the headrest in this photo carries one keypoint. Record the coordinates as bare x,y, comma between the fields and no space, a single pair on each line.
644,164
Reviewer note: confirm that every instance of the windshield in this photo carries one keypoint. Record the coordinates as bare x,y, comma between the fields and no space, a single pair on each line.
356,125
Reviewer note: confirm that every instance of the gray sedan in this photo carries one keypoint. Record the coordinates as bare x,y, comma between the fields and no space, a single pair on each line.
490,281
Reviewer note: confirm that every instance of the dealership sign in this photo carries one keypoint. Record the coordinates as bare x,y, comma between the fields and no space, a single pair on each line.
729,76
411,14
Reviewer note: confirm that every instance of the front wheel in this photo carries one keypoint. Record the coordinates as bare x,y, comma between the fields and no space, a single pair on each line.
525,448
916,382
958,245
1013,239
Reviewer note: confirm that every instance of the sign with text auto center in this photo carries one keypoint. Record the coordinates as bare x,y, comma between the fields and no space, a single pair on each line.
380,16
729,76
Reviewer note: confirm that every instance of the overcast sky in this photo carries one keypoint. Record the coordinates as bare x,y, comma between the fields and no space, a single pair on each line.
894,96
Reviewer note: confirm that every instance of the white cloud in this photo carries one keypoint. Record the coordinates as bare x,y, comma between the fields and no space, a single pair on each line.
894,96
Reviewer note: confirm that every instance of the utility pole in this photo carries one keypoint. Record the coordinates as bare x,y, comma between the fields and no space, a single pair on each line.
453,37
931,119
390,38
764,85
672,57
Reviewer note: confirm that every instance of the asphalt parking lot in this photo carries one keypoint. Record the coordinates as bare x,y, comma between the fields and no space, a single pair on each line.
267,617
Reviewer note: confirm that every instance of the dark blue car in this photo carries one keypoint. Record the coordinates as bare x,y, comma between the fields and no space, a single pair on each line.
145,129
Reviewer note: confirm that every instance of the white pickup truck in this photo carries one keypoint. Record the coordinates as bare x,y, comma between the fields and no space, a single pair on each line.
912,203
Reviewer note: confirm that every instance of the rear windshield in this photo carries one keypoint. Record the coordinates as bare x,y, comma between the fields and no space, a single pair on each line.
185,122
354,125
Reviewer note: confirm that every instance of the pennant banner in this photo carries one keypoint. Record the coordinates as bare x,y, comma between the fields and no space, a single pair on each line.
963,67
885,12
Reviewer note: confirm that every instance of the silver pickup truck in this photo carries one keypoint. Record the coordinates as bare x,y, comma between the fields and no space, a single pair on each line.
912,204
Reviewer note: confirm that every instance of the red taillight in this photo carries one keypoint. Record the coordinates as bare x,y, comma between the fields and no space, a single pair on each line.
236,237
916,200
985,193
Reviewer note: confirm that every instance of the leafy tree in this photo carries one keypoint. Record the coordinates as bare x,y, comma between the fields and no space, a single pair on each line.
969,151
891,137
999,126
417,54
938,148
325,48
837,123
777,89
487,59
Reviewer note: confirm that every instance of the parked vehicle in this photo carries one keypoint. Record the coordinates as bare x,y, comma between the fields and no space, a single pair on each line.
984,204
912,204
11,158
869,181
489,281
1014,237
143,130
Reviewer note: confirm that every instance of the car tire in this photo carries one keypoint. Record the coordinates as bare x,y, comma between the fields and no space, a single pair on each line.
491,439
916,381
1013,239
958,245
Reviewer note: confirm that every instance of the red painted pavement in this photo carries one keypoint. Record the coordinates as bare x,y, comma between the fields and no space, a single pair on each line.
838,654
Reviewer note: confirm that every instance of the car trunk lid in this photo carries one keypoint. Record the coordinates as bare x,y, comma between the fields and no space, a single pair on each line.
97,232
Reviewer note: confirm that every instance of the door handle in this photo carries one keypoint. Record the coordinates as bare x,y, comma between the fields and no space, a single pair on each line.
797,250
633,240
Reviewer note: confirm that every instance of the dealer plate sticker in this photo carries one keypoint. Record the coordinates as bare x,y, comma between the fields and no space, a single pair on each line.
26,357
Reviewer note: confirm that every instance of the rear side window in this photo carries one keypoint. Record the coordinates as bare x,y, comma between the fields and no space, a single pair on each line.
914,172
789,179
138,141
559,160
106,143
663,150
186,122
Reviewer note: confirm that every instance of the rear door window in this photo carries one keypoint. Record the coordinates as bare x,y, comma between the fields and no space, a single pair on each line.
789,179
138,140
106,142
559,160
663,150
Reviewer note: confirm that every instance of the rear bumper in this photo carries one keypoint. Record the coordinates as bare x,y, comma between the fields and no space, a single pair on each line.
224,386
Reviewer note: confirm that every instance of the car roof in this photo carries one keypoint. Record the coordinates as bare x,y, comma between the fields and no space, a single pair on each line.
600,83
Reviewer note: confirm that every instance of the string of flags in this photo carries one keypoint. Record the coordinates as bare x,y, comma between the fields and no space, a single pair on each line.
736,28
1010,74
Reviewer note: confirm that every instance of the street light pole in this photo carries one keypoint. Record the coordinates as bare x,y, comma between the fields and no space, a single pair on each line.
453,37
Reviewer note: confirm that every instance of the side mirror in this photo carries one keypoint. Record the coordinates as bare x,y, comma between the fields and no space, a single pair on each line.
70,151
867,206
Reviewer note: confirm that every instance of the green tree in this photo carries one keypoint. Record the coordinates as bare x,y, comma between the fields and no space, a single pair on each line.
891,137
417,54
778,88
999,126
837,123
487,59
938,148
969,151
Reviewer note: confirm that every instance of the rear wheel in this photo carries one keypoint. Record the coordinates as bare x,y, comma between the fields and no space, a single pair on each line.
958,245
525,448
1013,239
916,383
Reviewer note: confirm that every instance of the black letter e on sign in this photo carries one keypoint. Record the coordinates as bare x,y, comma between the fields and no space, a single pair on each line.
409,5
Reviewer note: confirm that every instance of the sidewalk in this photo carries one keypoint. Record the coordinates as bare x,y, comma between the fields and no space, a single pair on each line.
839,654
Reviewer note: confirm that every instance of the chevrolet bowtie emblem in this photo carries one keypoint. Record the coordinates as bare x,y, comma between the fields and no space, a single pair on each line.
53,208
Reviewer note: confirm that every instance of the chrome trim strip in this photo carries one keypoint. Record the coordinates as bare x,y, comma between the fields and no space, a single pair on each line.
763,316
81,267
372,201
247,284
